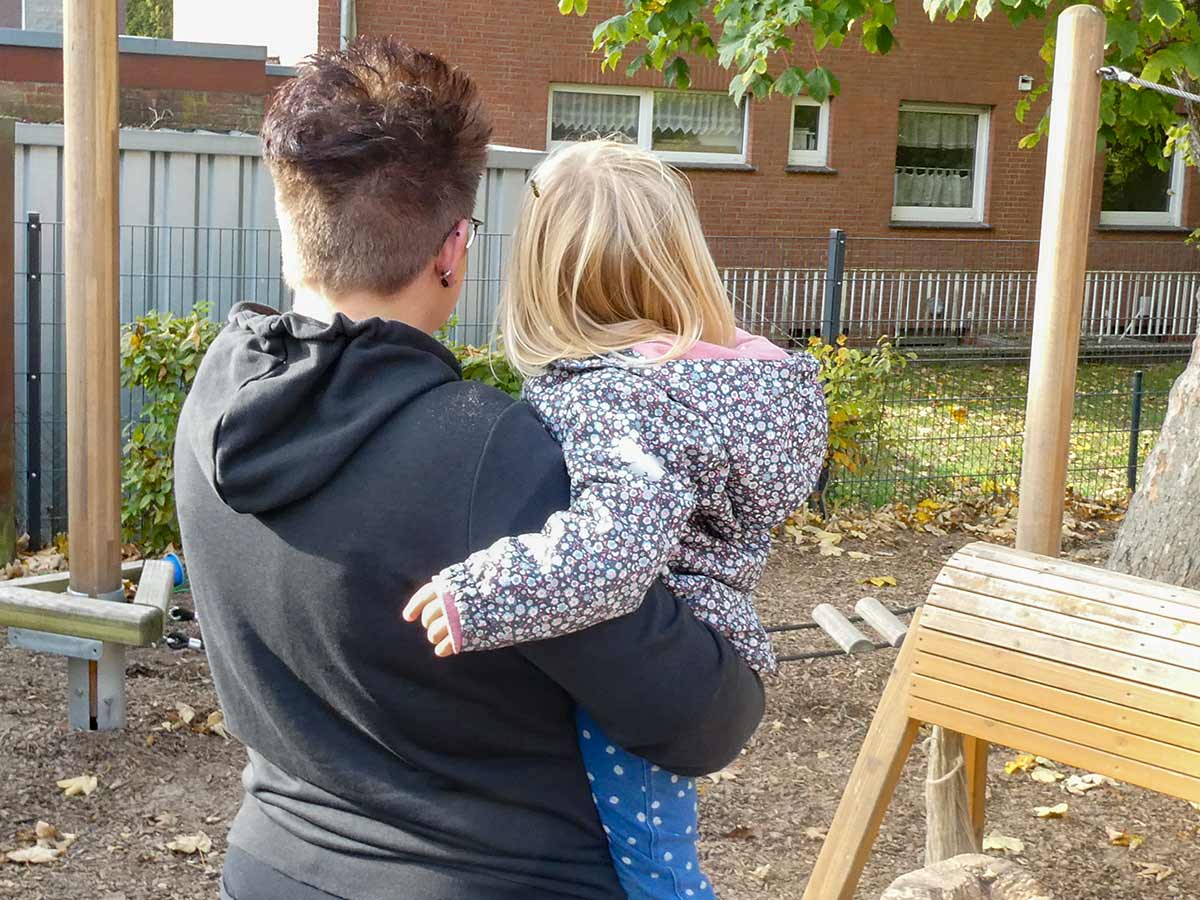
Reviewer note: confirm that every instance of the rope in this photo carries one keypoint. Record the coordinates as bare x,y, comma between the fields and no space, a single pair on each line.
1112,73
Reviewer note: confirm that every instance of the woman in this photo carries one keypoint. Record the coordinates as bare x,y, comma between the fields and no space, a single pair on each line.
331,459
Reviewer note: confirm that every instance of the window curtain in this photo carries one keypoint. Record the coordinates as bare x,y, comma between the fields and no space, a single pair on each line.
938,186
697,114
602,114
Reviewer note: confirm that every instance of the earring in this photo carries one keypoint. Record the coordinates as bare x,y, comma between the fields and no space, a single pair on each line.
446,278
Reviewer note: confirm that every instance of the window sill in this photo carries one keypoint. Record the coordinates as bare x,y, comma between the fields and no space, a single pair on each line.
961,226
1168,229
716,166
812,170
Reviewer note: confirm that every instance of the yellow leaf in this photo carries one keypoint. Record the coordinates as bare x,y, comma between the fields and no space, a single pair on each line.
191,843
1025,762
82,784
880,581
215,724
959,414
729,773
186,713
1119,838
1046,776
1050,812
1154,871
998,841
854,554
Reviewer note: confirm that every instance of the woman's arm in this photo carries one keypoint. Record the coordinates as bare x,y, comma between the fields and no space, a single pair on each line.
660,682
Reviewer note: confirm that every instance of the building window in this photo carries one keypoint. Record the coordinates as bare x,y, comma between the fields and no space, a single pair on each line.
1138,194
809,144
680,126
941,163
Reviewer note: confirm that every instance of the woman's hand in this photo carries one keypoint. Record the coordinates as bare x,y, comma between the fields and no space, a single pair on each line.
427,605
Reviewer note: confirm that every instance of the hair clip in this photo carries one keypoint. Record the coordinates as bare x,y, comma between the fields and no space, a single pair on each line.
533,187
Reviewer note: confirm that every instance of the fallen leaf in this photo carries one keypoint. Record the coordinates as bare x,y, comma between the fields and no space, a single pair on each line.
740,833
761,872
186,713
1154,871
959,414
856,554
37,854
998,841
1081,784
880,581
1046,776
1023,762
191,843
729,773
50,844
829,549
82,784
814,834
1050,812
1120,838
215,724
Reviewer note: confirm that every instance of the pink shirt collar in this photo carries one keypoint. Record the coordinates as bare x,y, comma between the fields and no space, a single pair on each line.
745,346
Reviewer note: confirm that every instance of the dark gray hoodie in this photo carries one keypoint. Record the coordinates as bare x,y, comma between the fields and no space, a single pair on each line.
323,473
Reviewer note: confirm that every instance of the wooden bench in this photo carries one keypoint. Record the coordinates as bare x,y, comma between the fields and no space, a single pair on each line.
1085,666
91,633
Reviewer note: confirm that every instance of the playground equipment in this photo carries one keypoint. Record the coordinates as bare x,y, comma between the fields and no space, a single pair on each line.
94,608
1085,666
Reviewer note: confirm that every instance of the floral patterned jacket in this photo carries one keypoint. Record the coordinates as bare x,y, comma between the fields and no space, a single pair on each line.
678,470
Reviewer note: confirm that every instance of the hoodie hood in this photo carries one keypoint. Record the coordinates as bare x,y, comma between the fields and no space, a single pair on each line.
281,401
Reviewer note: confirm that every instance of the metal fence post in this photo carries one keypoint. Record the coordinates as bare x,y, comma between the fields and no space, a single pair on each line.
831,316
33,379
1135,429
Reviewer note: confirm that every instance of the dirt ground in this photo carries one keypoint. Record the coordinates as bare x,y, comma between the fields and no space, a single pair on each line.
762,823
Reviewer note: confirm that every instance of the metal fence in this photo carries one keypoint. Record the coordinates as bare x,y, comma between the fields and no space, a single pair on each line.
969,301
958,297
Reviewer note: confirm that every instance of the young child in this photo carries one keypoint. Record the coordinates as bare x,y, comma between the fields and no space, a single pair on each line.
686,442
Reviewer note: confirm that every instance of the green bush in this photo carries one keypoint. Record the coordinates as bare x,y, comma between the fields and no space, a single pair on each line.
160,354
856,384
486,364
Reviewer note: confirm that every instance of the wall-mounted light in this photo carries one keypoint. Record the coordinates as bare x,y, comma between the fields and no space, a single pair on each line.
1024,82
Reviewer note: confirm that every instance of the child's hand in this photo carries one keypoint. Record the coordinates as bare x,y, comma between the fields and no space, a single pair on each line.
426,604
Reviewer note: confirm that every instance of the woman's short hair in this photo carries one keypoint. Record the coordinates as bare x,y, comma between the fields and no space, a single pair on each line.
608,253
376,151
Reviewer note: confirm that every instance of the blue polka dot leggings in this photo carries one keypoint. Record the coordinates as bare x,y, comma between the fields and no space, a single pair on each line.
649,816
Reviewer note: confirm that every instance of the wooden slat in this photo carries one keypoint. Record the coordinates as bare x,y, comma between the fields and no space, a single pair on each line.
1077,571
1065,627
1167,704
1027,580
1096,659
57,582
85,617
869,790
1079,731
1078,705
156,585
1131,771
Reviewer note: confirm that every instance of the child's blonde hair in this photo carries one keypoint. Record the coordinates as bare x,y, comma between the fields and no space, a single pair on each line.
608,253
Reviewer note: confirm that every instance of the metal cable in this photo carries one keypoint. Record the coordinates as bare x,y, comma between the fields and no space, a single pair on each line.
1112,73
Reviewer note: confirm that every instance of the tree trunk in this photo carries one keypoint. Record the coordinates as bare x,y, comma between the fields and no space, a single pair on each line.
1160,537
969,877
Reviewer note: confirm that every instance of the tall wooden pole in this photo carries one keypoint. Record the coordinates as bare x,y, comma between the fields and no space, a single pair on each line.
93,335
8,412
1062,262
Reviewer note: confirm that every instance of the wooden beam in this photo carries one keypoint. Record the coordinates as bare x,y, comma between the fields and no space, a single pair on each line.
1062,261
57,582
130,624
92,312
157,585
8,411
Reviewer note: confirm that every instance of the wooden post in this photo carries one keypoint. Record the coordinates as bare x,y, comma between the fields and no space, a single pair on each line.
93,335
1062,262
8,410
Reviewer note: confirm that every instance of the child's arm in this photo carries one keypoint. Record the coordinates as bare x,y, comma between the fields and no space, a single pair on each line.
634,457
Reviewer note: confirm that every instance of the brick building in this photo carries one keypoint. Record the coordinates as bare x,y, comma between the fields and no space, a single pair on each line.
919,143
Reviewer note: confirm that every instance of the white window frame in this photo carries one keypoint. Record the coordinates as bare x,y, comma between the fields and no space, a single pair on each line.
1172,217
646,124
973,214
819,157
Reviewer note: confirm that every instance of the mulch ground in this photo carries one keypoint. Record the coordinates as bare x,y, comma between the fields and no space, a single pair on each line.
763,820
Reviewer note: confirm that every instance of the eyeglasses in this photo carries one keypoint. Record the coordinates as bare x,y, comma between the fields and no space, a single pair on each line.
473,230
